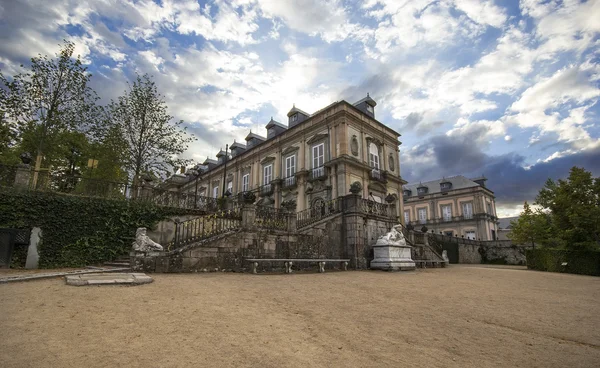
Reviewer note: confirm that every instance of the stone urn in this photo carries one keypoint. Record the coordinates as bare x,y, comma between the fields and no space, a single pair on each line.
249,197
355,188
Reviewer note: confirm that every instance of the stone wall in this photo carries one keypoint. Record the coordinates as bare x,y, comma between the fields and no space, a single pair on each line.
492,252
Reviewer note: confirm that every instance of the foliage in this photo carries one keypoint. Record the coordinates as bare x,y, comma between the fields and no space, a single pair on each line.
52,98
424,229
78,231
570,261
574,209
152,142
530,227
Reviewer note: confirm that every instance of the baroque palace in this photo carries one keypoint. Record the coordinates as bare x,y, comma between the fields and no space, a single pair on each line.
311,160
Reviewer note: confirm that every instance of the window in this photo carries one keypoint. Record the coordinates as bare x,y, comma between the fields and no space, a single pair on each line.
216,191
467,210
294,117
407,193
370,108
230,187
318,153
489,208
447,213
271,132
446,186
421,190
290,170
267,174
407,217
422,215
470,234
449,233
245,182
374,156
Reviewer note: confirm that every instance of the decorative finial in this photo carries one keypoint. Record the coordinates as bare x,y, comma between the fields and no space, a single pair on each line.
367,94
294,104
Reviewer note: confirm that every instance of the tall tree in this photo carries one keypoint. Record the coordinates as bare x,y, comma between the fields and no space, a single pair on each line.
574,207
49,99
154,143
530,228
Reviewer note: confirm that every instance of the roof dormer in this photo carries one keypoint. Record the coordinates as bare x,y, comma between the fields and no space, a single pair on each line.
445,185
367,105
237,148
210,163
253,140
274,128
296,116
422,190
221,156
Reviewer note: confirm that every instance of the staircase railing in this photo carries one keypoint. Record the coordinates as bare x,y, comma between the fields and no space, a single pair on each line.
204,227
318,212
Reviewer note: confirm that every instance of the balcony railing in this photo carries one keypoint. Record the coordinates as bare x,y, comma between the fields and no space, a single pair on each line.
289,182
266,190
317,173
374,208
318,212
379,175
271,218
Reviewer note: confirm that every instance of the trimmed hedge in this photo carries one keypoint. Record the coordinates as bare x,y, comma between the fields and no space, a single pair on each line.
78,231
579,262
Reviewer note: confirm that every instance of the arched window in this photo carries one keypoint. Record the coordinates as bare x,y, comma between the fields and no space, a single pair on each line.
374,156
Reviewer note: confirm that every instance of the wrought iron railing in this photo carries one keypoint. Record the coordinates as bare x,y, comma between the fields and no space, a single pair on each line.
271,218
266,190
289,182
204,227
379,175
318,212
318,173
374,208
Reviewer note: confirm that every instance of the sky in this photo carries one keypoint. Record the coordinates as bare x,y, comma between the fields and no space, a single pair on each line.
507,89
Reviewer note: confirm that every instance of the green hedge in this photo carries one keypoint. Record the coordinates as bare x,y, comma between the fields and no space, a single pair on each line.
78,231
579,262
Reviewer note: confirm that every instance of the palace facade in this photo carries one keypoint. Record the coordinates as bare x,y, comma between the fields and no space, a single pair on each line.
454,206
312,159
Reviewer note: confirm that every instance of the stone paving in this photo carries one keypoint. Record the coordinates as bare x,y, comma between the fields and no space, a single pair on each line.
108,279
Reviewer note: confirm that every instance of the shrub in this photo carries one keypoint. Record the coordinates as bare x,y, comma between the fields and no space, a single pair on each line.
552,260
78,231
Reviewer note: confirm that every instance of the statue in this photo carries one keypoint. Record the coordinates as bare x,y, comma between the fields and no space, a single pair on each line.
143,243
393,237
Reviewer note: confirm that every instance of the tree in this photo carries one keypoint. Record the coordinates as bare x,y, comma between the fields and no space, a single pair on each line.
153,143
530,227
50,99
574,207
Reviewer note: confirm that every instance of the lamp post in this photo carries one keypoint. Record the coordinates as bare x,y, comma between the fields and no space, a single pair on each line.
225,169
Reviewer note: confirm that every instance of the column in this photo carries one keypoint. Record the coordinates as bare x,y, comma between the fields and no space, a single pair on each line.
301,199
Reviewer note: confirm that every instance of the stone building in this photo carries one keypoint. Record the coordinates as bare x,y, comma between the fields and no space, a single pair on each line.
454,206
312,159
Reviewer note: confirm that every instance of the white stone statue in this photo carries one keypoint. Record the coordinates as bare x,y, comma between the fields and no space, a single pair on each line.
143,243
391,253
394,237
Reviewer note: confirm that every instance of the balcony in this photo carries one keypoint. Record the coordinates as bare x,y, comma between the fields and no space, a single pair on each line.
379,175
289,182
318,173
266,190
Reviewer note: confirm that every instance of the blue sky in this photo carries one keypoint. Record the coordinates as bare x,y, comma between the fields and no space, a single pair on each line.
507,89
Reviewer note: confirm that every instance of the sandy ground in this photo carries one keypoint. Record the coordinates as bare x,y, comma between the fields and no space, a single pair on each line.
455,317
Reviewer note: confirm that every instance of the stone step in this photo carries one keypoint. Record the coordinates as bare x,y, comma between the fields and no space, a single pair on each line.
116,264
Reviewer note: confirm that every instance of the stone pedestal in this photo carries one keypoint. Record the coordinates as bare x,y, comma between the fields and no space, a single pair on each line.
391,253
22,176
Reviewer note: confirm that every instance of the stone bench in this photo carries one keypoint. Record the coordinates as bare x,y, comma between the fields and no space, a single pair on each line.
289,261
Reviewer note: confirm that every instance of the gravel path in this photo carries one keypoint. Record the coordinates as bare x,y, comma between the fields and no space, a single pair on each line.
453,317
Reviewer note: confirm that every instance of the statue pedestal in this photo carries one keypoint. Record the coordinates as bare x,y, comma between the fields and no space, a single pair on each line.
392,256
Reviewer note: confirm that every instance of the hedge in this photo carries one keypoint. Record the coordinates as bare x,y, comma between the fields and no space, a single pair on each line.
579,262
78,231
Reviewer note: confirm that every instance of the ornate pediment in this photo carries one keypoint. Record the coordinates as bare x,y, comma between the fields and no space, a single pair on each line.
317,138
377,142
290,149
267,160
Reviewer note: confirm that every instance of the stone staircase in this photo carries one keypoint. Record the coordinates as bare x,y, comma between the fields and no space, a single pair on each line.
119,262
423,253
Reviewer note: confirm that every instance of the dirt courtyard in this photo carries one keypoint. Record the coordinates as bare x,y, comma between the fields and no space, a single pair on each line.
461,316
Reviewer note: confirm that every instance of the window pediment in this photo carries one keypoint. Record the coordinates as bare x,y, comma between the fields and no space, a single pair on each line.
290,149
267,160
317,138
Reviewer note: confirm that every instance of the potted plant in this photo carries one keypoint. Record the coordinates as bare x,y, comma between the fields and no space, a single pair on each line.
424,229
